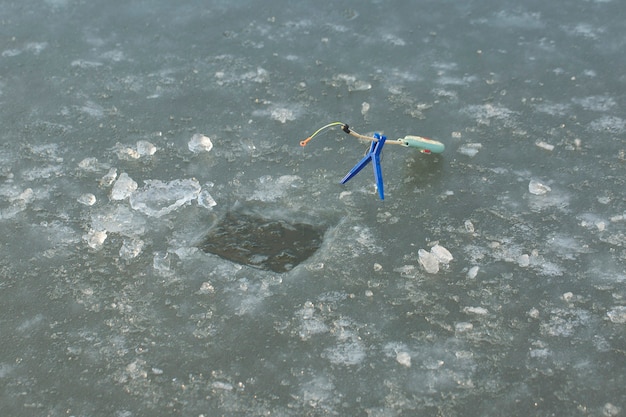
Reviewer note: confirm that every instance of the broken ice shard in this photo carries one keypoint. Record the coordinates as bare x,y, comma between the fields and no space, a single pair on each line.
157,198
123,187
537,188
428,261
200,143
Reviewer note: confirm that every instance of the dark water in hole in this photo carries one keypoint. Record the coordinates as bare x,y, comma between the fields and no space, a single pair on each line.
269,244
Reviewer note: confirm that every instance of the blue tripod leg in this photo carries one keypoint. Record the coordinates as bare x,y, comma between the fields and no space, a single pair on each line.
378,172
373,154
358,167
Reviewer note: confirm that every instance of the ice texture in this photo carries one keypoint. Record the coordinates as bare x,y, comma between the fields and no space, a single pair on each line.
200,143
157,198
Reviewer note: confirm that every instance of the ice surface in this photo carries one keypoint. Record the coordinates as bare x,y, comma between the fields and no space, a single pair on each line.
135,319
157,198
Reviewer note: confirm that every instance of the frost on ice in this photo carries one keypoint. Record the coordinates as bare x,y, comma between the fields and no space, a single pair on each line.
157,198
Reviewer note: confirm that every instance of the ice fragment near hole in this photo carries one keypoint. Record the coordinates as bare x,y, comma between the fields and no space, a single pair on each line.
109,177
161,261
404,359
157,198
145,148
200,143
442,254
473,271
119,219
206,200
87,199
617,315
123,187
131,248
537,188
95,238
428,261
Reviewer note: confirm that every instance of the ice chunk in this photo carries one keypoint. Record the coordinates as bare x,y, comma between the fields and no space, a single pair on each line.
617,314
537,188
127,154
428,261
161,261
87,199
206,200
200,143
442,254
365,107
480,311
95,238
473,271
119,219
611,410
404,358
123,187
145,148
131,248
545,145
109,177
219,385
523,260
157,198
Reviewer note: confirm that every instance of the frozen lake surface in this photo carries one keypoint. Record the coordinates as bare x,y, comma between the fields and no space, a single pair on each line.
491,281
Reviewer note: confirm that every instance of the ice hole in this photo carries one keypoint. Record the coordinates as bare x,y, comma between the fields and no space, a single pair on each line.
268,243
